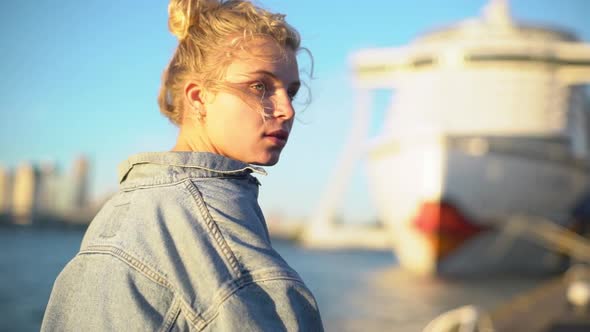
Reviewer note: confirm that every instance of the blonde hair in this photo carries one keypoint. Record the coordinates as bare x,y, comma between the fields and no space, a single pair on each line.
208,31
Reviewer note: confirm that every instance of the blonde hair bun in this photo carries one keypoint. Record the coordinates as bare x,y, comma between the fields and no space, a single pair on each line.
183,14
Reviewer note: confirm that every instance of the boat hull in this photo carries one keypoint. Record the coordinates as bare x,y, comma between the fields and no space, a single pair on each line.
447,199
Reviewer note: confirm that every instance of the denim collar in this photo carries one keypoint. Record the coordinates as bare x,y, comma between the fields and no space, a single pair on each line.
205,161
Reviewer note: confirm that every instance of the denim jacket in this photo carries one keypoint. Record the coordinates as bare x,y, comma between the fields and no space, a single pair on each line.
183,246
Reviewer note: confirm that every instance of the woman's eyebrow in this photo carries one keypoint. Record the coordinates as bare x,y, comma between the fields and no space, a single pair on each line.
274,77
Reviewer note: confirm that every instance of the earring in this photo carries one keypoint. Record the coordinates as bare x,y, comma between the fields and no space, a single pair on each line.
198,112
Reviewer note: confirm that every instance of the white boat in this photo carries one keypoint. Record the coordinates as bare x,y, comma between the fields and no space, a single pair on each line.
446,198
489,119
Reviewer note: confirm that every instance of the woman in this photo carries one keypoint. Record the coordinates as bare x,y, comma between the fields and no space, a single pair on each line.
183,245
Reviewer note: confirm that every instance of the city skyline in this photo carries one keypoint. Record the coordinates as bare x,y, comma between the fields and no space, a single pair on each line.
42,192
78,83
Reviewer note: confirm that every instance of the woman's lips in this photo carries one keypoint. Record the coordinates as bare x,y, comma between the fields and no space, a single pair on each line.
278,137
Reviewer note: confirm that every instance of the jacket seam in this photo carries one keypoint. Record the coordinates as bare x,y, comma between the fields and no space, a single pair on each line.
198,321
214,229
152,185
245,168
172,315
181,179
130,260
209,315
145,270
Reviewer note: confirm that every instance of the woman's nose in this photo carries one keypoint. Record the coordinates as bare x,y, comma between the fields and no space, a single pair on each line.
284,106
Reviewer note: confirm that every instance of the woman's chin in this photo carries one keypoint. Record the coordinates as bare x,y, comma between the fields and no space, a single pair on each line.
267,161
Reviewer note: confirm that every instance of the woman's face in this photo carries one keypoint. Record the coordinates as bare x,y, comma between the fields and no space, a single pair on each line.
251,122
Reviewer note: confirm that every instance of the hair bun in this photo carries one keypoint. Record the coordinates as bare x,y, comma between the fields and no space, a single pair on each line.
183,14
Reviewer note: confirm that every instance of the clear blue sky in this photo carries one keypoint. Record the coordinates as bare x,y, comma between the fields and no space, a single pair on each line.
82,77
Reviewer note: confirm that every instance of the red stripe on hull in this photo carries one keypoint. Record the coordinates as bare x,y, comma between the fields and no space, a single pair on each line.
445,227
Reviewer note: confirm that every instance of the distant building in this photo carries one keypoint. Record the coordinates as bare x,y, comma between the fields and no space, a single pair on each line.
49,188
24,194
80,183
5,190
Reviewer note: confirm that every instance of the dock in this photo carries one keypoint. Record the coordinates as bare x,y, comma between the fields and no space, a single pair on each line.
545,308
559,304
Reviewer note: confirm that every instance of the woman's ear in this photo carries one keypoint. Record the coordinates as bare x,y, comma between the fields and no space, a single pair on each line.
193,93
194,96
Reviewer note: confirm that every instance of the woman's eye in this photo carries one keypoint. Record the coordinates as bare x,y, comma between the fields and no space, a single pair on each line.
292,95
258,86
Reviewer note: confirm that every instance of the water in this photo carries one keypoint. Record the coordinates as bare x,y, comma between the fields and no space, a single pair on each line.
356,290
30,260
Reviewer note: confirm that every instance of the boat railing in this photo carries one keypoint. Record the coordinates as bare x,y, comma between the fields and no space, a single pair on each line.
468,318
545,233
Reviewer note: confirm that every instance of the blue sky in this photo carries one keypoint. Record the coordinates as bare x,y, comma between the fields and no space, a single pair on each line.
81,77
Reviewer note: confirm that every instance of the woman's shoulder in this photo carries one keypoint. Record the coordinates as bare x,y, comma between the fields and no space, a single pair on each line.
199,239
175,229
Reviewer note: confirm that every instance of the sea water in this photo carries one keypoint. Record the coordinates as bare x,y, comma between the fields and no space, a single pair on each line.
356,290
